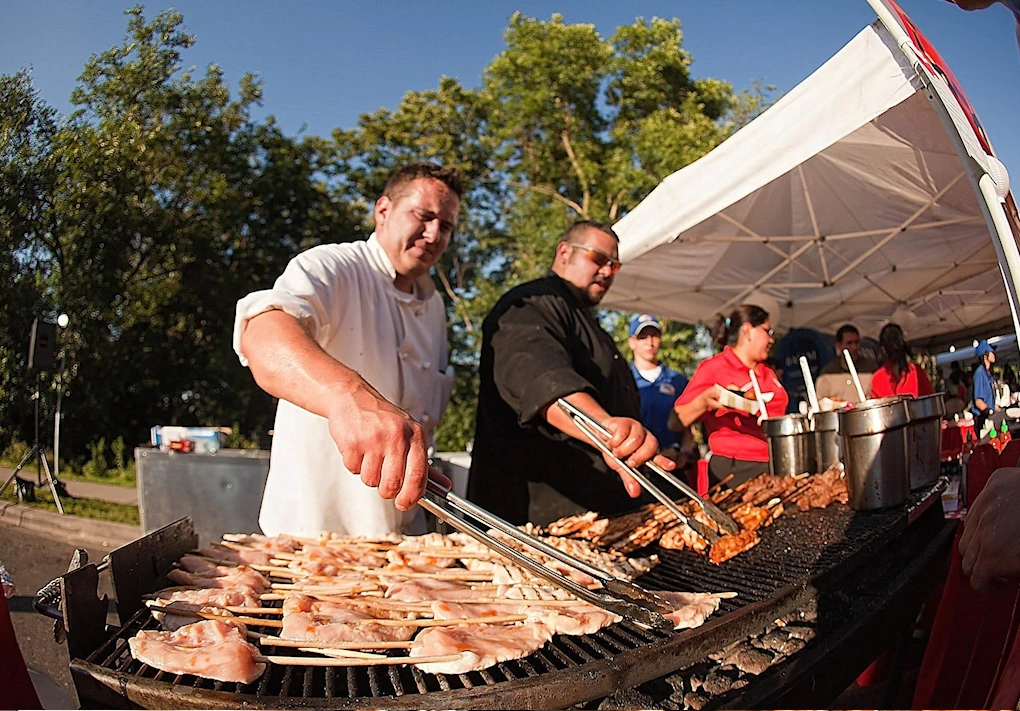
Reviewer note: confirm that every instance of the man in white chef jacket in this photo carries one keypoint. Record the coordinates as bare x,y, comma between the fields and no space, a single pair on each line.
352,340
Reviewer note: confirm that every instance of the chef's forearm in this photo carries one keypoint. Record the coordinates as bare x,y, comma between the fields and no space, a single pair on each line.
691,411
288,364
562,421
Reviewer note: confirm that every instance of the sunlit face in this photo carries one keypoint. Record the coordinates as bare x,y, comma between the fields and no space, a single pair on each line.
646,344
758,340
589,264
852,342
415,229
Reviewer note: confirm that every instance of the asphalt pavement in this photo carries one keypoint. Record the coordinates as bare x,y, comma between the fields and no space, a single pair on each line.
33,561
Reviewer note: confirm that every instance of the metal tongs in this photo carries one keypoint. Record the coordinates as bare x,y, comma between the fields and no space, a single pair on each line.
593,429
618,596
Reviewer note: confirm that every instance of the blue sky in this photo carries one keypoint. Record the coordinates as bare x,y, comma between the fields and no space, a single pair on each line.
325,63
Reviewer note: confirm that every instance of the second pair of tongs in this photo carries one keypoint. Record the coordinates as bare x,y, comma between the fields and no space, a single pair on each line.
597,435
621,597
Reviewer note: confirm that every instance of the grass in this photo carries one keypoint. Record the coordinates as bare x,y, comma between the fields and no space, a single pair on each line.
116,477
86,508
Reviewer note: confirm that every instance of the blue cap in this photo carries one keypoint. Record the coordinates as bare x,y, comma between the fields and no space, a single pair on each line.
983,348
642,321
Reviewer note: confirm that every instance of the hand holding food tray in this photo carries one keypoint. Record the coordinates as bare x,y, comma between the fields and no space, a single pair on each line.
736,400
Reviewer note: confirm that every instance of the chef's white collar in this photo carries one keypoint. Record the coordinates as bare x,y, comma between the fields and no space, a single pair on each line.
423,285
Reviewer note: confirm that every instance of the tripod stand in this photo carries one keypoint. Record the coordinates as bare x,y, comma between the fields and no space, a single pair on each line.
42,464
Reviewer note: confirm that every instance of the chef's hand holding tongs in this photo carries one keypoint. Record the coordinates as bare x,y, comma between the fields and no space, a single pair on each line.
618,596
598,436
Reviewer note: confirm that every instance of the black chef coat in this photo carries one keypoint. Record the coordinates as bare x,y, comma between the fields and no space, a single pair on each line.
540,343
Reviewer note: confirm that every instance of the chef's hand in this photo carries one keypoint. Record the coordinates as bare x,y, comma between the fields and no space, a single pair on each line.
635,445
709,399
384,445
990,545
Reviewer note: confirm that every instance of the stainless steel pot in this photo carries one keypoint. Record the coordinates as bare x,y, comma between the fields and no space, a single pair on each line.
874,436
791,445
924,439
827,444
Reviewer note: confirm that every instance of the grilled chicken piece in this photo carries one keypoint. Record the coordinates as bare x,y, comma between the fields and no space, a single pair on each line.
223,553
217,576
691,609
202,600
479,646
307,618
419,589
210,648
729,546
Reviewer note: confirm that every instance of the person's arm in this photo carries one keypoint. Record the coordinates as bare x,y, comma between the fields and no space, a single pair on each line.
377,440
691,410
990,545
532,367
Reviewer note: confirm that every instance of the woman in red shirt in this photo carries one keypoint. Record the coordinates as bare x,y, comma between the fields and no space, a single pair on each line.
898,376
736,439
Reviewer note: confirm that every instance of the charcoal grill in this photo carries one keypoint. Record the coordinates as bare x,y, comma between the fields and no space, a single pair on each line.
799,558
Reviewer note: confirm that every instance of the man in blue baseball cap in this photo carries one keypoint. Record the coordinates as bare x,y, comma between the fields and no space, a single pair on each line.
658,386
983,405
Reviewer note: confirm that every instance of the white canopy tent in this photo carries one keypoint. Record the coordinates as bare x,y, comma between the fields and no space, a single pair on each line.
863,195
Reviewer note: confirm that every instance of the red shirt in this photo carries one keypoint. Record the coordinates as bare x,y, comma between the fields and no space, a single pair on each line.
735,433
914,382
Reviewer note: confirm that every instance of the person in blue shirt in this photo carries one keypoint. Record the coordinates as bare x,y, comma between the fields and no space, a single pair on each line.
658,386
983,405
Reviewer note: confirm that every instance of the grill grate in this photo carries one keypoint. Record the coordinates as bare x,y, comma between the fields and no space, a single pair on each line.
818,546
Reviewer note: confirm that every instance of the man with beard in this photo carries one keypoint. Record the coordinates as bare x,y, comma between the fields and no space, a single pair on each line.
352,340
542,342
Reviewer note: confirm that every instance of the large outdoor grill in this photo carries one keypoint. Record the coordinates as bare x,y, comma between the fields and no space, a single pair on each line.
860,574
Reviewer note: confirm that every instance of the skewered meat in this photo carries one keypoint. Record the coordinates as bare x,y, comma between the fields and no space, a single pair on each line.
729,546
243,557
220,576
307,618
201,600
420,589
270,544
422,562
210,648
480,646
692,609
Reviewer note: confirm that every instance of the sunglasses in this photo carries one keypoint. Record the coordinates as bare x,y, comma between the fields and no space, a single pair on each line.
599,258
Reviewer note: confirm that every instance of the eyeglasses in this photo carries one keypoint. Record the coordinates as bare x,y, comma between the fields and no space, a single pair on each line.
600,259
770,331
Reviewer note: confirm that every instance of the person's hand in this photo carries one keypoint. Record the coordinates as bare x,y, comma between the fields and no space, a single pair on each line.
990,545
635,445
710,399
382,444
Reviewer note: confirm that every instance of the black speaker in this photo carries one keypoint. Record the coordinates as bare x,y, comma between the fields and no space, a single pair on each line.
41,345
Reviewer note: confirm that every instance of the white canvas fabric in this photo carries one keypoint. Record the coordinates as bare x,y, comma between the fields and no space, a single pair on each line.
845,201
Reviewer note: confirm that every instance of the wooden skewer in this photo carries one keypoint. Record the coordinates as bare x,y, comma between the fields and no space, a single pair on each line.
342,653
330,662
716,487
198,614
298,643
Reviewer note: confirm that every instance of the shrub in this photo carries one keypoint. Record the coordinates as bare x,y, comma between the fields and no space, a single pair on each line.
118,448
97,465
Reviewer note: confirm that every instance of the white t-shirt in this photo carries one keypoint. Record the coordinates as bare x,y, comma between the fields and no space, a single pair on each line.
343,295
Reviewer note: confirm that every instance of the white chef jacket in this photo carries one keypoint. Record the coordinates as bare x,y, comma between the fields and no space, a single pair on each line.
344,297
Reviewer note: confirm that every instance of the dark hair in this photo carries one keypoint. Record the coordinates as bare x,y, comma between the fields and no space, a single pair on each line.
845,329
572,234
398,182
726,330
896,350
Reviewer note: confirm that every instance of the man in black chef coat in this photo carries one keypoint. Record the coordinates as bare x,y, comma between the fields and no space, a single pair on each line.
541,342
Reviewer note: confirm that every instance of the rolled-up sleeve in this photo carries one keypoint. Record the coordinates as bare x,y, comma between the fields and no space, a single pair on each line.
307,290
531,361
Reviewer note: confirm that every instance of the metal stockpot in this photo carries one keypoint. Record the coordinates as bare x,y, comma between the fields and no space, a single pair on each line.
791,445
874,436
924,439
827,441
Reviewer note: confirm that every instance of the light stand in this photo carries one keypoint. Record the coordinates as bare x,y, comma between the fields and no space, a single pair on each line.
37,452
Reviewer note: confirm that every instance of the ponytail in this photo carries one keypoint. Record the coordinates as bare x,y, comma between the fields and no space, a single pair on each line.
727,328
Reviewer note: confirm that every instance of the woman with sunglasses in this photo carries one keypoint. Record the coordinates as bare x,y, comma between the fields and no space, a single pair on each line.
736,439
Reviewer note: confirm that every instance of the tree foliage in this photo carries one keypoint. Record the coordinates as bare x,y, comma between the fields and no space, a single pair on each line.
160,201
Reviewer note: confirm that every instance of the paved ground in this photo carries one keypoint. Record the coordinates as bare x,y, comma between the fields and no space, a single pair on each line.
85,489
32,562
